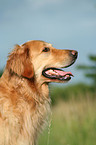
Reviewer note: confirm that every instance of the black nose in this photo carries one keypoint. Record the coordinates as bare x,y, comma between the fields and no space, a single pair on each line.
74,53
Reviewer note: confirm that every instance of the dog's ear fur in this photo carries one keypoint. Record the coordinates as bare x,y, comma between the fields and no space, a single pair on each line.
19,62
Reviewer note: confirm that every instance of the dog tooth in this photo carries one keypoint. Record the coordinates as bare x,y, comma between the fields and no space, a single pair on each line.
50,71
65,77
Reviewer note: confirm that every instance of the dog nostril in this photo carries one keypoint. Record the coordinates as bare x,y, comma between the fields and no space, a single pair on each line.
74,53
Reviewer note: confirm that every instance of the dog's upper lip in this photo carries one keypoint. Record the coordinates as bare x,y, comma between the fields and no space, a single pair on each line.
69,64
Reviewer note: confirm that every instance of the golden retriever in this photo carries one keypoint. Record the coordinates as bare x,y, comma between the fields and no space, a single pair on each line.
24,93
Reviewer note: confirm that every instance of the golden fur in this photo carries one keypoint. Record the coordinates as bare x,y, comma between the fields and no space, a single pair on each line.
24,93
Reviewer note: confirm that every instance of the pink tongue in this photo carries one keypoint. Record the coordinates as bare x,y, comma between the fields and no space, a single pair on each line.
63,73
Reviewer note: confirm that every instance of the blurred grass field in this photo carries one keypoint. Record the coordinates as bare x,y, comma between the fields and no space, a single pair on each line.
73,119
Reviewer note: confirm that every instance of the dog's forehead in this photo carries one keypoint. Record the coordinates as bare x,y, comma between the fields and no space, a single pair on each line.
47,44
32,42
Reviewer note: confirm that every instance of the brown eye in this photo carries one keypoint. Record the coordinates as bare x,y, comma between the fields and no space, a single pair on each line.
46,49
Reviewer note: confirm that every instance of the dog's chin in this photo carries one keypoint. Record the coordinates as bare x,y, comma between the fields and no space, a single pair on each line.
57,75
46,80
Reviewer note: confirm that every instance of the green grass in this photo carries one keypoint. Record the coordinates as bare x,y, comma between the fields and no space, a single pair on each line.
73,123
75,92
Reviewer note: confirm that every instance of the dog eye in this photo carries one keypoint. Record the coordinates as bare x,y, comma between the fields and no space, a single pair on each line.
46,49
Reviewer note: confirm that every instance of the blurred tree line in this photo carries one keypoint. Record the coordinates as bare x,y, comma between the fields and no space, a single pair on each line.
1,71
90,70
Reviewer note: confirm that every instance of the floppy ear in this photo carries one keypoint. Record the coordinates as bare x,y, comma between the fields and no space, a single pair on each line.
19,62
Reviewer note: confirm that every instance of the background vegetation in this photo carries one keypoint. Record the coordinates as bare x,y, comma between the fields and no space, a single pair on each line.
1,71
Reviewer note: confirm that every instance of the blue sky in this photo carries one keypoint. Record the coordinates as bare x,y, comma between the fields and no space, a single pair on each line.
64,23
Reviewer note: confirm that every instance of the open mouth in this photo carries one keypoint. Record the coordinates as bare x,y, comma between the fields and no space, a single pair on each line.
56,73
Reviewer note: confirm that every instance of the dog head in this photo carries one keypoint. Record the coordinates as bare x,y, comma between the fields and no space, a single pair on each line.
42,61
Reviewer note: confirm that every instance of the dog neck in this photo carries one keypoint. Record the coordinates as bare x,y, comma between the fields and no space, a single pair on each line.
41,91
